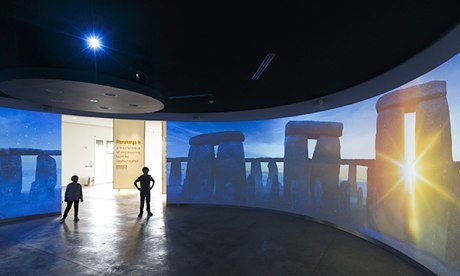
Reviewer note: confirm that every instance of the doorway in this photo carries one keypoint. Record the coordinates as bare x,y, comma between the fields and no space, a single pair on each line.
103,164
87,151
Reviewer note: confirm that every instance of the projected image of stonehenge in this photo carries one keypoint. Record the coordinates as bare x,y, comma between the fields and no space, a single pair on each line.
42,189
414,202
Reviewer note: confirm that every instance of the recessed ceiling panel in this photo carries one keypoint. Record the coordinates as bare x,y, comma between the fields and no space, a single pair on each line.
80,96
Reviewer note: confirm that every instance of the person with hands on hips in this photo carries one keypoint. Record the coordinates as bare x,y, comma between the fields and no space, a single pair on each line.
144,190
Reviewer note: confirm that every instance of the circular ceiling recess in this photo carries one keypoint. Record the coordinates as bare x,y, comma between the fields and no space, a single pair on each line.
69,90
80,96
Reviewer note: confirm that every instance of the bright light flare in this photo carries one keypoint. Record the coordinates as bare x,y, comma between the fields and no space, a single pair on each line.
414,178
94,42
410,173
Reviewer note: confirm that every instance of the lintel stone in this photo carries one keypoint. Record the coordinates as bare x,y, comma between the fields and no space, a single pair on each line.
314,129
217,137
411,96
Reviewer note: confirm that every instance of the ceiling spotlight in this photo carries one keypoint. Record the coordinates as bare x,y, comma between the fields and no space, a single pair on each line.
110,95
104,107
141,77
318,102
134,105
93,100
94,42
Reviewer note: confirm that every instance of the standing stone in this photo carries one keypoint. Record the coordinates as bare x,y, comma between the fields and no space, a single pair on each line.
317,195
297,190
371,205
273,184
352,179
199,173
370,184
256,172
231,172
16,174
345,198
410,236
175,178
45,178
453,233
326,168
296,173
360,197
224,176
251,192
389,147
10,176
4,183
435,163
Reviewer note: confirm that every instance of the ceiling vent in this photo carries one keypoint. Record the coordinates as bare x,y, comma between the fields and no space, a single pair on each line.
189,96
268,58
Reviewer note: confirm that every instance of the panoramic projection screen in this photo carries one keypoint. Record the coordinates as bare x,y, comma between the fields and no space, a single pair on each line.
30,163
386,167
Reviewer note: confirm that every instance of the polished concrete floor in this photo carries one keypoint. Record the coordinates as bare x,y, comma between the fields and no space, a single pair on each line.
186,240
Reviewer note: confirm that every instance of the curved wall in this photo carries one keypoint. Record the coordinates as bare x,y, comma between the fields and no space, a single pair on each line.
434,55
386,167
30,163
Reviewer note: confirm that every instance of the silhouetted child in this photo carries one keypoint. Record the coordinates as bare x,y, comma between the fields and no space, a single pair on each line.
145,188
73,194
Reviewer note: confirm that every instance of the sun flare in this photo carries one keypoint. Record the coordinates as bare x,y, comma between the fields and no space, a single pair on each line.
410,173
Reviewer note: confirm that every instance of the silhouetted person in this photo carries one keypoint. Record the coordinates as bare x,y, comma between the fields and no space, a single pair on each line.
73,194
145,188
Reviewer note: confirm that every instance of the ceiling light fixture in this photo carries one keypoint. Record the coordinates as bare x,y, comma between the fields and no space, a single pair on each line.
94,42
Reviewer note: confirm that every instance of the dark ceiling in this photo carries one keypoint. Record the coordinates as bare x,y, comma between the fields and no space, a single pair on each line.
214,47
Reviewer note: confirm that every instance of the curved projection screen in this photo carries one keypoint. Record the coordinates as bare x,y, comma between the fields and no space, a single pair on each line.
387,167
30,163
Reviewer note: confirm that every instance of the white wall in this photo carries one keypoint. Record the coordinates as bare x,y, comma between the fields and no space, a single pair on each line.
78,145
154,152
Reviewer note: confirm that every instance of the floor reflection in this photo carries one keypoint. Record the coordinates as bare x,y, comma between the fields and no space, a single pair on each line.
186,240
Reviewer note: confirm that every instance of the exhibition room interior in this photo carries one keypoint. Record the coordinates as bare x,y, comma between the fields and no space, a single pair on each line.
293,138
